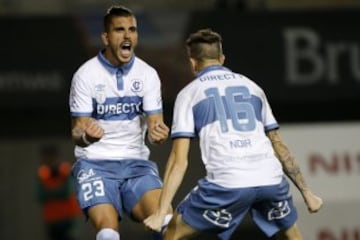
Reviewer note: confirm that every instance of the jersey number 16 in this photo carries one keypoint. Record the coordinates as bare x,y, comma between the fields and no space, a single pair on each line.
240,110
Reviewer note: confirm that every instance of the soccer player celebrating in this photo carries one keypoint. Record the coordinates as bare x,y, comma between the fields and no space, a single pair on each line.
115,99
244,156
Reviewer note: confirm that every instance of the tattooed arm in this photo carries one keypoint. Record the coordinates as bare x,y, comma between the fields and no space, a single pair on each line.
292,170
288,162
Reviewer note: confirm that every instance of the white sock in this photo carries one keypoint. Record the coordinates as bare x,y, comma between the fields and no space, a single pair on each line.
107,234
166,222
159,235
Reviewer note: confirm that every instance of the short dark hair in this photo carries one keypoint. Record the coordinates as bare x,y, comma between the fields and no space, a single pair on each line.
116,11
204,44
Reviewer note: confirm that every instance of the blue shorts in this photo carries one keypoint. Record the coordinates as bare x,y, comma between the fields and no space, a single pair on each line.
120,183
212,208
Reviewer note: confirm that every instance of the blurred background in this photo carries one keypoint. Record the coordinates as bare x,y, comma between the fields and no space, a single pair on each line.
305,54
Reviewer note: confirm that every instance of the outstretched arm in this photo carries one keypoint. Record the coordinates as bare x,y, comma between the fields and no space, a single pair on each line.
174,174
292,170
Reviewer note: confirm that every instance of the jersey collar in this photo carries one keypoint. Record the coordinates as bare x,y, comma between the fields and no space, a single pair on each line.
113,69
211,68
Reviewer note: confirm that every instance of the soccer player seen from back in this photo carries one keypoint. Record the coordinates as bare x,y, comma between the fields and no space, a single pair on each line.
244,156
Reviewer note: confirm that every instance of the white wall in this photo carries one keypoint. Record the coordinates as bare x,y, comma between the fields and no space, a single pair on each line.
329,157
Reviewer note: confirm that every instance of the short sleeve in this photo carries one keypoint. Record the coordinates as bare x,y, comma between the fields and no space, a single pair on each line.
152,101
183,124
269,120
80,100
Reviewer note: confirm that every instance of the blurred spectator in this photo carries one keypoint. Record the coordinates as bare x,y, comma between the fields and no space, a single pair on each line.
55,193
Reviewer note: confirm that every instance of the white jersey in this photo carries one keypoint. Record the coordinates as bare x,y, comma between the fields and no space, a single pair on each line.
230,114
118,98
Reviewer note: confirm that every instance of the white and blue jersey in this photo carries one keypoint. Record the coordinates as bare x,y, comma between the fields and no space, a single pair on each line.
230,114
119,99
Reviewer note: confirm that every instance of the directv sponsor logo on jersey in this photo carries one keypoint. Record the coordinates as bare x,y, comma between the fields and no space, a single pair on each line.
118,108
221,77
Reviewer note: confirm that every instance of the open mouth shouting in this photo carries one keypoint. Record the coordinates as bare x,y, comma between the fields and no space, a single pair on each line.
126,49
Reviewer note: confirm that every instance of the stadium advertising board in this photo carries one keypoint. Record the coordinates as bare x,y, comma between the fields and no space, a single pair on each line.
39,55
329,156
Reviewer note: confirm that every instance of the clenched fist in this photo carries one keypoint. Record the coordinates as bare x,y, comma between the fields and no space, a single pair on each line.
86,131
158,133
313,202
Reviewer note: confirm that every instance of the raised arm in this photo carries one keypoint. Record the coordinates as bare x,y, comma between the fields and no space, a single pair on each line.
292,170
174,174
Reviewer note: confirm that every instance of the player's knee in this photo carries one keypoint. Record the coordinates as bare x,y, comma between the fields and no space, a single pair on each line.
107,234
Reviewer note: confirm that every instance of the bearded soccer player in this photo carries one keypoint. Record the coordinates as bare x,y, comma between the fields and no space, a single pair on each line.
115,101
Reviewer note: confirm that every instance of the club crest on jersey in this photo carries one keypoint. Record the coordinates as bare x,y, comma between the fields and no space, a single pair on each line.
136,85
100,93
